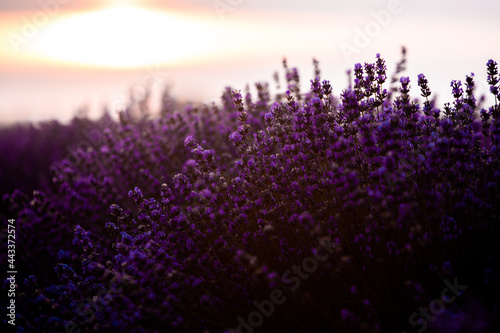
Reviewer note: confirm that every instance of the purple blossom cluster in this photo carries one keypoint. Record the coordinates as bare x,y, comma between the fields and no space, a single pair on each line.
184,222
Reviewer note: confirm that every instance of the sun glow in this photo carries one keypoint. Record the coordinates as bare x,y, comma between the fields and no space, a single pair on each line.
124,37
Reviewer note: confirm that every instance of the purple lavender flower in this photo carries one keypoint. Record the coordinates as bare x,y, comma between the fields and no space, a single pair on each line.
205,219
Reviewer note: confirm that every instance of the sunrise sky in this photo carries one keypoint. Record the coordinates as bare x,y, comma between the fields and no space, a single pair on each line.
59,55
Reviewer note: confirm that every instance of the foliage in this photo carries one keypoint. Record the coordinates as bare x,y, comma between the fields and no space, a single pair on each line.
179,223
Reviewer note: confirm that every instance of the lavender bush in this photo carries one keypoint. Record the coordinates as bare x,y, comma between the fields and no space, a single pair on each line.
194,220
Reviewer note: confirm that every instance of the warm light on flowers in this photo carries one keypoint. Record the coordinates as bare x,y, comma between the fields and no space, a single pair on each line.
312,211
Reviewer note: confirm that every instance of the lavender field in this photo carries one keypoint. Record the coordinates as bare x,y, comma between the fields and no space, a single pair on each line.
371,210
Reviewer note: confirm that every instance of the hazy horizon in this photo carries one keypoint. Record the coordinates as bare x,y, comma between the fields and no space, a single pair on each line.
87,53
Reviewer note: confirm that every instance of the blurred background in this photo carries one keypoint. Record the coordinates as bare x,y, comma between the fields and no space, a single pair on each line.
60,57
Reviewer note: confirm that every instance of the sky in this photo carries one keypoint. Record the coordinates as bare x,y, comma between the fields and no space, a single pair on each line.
60,56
